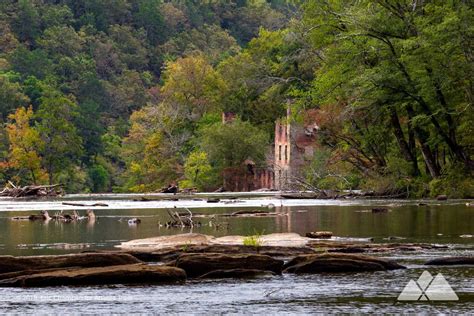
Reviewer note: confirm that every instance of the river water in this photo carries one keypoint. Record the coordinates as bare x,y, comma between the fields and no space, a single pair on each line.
448,222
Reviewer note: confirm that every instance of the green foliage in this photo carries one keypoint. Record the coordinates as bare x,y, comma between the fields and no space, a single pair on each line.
229,145
11,96
253,240
62,144
137,87
390,102
25,144
323,173
149,17
199,172
26,22
100,178
86,66
456,183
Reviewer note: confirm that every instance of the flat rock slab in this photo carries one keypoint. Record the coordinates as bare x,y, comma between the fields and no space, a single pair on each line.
280,239
199,264
449,261
332,262
169,254
351,247
123,274
13,264
163,242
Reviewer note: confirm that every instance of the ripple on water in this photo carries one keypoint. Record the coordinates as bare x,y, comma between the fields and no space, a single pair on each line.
359,292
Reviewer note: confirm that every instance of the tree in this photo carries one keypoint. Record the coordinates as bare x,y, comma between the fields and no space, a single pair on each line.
100,178
230,144
26,22
267,75
56,15
401,65
150,152
198,172
192,86
8,41
209,40
62,145
11,96
131,45
30,62
149,17
25,145
61,40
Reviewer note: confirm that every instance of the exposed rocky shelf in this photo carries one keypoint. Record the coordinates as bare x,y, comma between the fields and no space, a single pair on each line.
176,258
122,274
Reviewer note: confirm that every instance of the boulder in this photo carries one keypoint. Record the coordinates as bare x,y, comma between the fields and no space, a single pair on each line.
198,264
237,274
123,274
442,197
84,260
449,261
338,262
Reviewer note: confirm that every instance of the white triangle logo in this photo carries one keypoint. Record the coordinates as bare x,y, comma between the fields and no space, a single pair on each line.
428,288
440,290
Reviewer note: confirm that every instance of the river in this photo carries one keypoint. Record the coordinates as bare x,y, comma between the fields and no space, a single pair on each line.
441,222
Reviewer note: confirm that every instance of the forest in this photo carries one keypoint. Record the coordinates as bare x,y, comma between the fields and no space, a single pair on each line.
127,95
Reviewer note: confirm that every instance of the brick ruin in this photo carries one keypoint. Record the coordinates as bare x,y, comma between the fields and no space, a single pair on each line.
293,149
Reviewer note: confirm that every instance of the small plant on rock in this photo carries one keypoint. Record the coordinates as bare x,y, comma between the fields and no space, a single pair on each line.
253,240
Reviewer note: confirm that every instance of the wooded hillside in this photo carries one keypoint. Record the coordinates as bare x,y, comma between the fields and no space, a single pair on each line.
127,95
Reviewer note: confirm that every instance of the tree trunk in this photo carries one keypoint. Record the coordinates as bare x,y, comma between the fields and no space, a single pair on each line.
422,138
407,152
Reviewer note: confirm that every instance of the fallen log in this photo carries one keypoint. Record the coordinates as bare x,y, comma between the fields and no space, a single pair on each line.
14,191
180,220
449,261
170,189
85,205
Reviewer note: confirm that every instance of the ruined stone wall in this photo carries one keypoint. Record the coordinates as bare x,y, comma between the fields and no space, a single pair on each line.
294,149
242,179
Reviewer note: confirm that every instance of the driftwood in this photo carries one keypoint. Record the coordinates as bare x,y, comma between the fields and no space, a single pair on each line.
180,220
86,205
12,190
170,189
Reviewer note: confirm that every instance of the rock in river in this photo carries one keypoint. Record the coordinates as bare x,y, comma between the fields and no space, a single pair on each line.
122,274
337,262
83,260
163,242
450,261
199,264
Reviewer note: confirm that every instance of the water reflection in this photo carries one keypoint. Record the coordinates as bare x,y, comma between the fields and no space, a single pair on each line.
437,223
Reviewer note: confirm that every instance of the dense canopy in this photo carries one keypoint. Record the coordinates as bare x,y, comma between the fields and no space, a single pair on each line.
122,95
